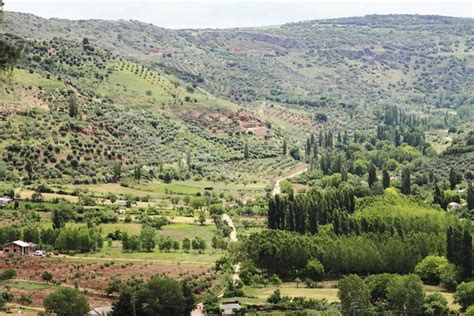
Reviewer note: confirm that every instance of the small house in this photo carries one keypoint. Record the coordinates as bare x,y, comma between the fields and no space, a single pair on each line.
18,248
101,311
229,308
121,202
120,212
4,201
453,206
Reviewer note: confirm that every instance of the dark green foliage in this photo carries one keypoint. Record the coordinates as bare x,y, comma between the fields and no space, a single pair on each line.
161,295
372,175
470,196
406,181
385,179
66,302
73,107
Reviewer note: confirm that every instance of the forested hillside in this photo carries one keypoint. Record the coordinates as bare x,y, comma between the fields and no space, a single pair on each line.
318,166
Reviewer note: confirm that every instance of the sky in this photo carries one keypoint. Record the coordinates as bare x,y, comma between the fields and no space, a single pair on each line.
232,13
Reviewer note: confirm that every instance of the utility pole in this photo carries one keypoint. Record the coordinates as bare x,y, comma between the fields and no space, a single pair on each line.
353,308
134,300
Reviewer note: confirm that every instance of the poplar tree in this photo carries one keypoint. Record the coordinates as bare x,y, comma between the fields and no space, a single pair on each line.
406,186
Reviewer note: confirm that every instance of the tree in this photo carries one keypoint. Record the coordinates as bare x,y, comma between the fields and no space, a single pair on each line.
186,245
470,196
66,301
246,152
453,178
464,295
406,182
354,295
29,168
189,299
435,304
438,196
161,295
7,274
372,175
314,269
148,238
295,153
202,218
117,171
47,276
429,268
275,297
284,148
137,173
450,276
406,294
123,306
385,179
73,107
211,303
377,284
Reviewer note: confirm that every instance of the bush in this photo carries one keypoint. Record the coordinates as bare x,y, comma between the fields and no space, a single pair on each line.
314,269
464,295
450,276
429,268
8,274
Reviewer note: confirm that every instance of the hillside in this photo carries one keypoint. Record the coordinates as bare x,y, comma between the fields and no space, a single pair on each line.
165,98
356,62
123,113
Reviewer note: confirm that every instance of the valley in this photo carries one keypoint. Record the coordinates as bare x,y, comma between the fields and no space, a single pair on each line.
318,167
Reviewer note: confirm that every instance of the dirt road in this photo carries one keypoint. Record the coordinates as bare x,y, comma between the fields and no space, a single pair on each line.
276,188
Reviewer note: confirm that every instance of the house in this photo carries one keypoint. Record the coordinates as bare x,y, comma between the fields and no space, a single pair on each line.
101,311
120,212
229,308
4,201
19,247
453,206
121,202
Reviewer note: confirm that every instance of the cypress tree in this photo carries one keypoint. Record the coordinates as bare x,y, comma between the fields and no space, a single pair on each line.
467,253
284,148
372,175
470,196
246,152
406,186
438,196
385,179
453,178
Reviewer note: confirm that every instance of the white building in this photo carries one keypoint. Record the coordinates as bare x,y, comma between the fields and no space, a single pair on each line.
229,308
4,201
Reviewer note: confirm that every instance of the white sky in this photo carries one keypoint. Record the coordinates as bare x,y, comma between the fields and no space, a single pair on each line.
232,13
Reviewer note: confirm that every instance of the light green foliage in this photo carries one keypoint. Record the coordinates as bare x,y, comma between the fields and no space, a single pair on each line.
464,295
406,294
435,304
429,268
354,295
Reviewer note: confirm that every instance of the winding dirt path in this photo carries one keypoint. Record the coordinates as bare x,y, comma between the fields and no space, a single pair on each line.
276,189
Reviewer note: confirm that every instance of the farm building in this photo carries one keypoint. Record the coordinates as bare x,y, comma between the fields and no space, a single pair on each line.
121,202
229,308
101,311
4,201
19,247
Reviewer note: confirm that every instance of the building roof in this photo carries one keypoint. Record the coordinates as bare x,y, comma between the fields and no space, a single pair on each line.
21,243
101,310
5,199
230,306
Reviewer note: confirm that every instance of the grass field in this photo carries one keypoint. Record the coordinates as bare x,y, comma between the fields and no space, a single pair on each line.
328,292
